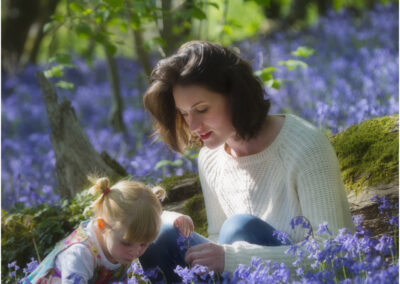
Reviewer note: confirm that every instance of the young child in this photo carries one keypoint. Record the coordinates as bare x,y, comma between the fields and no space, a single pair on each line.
127,218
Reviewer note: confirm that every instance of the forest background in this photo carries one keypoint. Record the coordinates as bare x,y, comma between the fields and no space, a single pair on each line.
333,62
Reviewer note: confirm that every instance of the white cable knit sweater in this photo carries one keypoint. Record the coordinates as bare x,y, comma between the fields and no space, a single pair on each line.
297,175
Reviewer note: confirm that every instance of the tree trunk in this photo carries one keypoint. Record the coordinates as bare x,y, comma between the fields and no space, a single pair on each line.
166,32
75,156
47,10
141,52
18,17
117,104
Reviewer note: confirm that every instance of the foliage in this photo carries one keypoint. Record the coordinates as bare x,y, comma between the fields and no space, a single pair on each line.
369,152
195,208
28,232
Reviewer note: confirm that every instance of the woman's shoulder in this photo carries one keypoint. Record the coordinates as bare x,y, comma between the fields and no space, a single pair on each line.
300,128
301,135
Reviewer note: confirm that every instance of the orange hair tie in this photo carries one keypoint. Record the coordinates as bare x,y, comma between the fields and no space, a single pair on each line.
100,223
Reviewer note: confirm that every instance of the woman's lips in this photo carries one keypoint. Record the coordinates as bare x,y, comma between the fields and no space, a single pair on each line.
205,136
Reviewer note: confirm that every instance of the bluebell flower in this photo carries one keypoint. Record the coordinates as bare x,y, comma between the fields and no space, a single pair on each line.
323,228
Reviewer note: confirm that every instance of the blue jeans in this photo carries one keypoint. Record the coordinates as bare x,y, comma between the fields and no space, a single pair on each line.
166,254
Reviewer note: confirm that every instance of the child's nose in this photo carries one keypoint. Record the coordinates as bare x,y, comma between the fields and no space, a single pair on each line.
140,250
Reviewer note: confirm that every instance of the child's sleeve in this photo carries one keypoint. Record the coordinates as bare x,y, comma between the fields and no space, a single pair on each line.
75,264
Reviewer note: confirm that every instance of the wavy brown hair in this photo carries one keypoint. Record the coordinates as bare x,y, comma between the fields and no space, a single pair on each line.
216,68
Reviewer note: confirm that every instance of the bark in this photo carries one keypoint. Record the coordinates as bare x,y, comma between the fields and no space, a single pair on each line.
117,104
141,52
19,15
75,156
46,11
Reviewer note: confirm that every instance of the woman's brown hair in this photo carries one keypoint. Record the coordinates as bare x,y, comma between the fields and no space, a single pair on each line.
217,68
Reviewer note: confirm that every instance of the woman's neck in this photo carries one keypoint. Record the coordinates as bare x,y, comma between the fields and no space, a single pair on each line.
269,130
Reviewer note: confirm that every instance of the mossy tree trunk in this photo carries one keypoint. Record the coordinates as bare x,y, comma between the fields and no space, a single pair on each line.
75,156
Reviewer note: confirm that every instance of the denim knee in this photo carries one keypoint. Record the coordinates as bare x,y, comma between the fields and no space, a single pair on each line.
233,226
166,241
249,228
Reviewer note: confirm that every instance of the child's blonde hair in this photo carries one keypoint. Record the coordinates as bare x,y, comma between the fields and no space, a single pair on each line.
129,205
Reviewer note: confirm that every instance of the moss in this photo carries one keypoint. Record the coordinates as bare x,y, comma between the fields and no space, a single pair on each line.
368,152
169,182
195,208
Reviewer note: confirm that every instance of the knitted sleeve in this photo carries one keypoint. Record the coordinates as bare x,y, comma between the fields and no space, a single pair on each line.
321,195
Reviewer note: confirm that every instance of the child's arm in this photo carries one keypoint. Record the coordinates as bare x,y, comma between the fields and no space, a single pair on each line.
76,264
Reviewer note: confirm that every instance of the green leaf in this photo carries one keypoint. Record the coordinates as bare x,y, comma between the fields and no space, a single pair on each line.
212,4
75,7
58,18
87,12
303,51
162,164
198,13
110,48
65,85
266,73
275,84
135,22
227,29
55,71
62,58
48,26
265,3
177,163
114,3
293,64
83,30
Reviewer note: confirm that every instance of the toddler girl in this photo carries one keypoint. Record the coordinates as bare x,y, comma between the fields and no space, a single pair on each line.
127,218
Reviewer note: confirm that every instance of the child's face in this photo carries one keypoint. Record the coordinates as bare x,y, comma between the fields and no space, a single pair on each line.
120,251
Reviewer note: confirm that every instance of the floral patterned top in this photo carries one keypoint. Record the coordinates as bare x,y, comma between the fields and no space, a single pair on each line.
48,271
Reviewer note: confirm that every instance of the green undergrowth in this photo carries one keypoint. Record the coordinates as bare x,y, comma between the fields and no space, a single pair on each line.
195,208
169,182
33,232
368,153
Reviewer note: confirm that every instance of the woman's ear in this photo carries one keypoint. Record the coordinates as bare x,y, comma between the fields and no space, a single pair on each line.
101,224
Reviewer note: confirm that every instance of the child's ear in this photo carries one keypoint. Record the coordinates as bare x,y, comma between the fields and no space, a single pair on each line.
101,224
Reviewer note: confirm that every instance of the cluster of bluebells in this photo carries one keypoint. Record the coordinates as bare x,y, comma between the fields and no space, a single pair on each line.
353,76
13,269
343,258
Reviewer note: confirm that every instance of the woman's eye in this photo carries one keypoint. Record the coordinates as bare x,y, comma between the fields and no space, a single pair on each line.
203,110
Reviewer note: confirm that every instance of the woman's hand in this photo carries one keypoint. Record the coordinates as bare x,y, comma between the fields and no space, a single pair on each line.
184,224
207,254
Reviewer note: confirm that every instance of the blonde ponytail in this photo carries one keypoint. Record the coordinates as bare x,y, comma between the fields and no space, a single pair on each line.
159,192
101,186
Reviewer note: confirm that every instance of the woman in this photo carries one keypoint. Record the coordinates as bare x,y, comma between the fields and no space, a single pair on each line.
257,171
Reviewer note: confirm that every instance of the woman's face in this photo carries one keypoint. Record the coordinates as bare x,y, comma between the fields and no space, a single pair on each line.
207,113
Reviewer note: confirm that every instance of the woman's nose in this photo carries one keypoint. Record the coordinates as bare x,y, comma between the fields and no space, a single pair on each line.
193,123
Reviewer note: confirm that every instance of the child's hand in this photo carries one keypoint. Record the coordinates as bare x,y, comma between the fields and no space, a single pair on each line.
184,224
